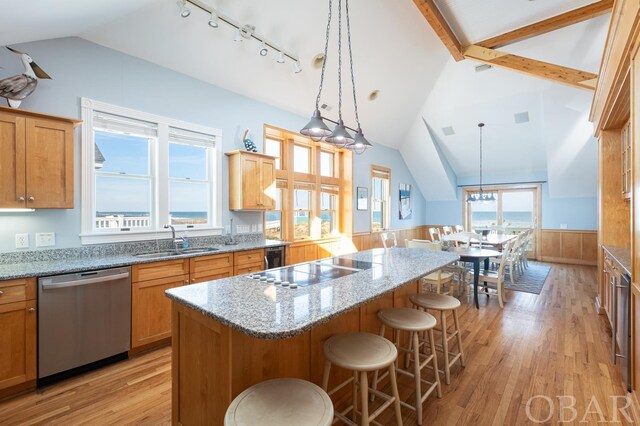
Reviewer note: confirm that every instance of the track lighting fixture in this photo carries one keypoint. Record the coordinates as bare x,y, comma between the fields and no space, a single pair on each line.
316,129
242,32
184,10
213,20
263,49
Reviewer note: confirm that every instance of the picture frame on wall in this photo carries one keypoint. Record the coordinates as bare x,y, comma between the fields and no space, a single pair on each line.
362,198
405,201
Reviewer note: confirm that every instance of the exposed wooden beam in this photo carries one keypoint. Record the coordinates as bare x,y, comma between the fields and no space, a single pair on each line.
432,14
560,21
545,70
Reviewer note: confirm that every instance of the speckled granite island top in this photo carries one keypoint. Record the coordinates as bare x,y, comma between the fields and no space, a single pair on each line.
74,262
622,255
266,311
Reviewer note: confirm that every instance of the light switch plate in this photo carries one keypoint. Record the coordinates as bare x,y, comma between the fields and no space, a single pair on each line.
563,226
22,241
45,239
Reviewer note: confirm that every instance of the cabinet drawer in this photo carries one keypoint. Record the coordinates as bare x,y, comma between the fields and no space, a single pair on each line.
216,274
200,265
155,270
17,290
249,257
247,269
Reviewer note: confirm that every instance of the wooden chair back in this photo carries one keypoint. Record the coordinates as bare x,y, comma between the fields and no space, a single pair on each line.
466,237
389,239
459,228
435,234
446,230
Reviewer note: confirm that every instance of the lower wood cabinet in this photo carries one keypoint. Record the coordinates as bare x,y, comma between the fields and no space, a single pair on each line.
245,262
18,325
207,268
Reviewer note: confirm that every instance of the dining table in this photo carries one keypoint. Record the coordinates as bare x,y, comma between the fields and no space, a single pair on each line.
475,255
496,241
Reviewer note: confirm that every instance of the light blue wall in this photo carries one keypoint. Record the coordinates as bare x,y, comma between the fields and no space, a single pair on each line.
83,69
580,213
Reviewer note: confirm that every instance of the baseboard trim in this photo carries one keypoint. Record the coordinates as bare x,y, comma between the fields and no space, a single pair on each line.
569,261
150,347
599,308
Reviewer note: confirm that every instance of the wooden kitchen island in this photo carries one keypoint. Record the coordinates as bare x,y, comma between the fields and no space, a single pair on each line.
232,333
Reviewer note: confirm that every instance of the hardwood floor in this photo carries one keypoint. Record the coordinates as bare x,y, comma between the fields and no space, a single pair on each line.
547,347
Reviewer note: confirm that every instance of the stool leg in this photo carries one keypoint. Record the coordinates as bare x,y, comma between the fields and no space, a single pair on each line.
457,325
354,396
325,376
396,395
416,372
434,362
374,385
364,390
445,346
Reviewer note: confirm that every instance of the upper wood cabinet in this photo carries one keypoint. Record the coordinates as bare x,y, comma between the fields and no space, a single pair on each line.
36,166
252,181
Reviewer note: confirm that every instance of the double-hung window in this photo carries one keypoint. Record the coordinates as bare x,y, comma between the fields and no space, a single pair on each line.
380,183
141,171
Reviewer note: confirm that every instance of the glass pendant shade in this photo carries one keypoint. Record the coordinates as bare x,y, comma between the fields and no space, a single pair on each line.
481,197
340,137
316,129
360,143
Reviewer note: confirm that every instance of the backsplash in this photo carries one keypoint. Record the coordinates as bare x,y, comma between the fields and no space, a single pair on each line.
116,249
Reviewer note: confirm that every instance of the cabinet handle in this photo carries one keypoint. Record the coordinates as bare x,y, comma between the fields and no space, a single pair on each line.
186,281
32,199
31,310
21,199
193,280
1,292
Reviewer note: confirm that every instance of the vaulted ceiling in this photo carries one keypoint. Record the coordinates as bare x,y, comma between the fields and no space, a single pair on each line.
422,89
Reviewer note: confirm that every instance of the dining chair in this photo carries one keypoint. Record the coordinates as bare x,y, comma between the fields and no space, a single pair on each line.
438,278
435,234
446,230
466,237
459,228
494,280
389,239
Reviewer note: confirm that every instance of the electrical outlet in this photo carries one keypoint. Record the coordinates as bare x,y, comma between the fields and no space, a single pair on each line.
22,241
45,239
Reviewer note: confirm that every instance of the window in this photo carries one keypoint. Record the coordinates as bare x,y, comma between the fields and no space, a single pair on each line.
301,159
273,218
273,147
327,160
380,178
142,171
329,211
302,213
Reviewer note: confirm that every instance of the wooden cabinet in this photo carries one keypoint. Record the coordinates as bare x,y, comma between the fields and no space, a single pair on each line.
252,181
150,308
18,322
36,166
245,262
207,268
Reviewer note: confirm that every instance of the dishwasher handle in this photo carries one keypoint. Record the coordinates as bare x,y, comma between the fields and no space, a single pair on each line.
77,283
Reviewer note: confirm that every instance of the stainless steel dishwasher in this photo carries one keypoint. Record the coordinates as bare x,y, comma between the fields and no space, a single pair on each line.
83,318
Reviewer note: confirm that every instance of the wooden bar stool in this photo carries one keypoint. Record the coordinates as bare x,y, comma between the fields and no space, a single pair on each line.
415,322
443,303
362,353
281,402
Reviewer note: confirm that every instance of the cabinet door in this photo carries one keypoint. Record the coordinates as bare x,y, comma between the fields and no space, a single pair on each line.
268,181
49,164
251,187
18,343
12,161
151,309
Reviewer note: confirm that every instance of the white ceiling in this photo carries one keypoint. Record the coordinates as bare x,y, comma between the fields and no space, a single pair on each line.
473,21
396,52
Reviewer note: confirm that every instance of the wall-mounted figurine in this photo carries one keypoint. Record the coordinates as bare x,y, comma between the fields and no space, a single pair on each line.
248,143
15,89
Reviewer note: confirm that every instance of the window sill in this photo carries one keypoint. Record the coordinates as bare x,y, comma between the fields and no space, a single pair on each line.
102,238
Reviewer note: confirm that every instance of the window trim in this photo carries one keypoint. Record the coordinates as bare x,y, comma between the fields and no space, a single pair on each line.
161,201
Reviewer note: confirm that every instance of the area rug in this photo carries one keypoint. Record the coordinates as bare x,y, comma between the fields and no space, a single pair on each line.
531,281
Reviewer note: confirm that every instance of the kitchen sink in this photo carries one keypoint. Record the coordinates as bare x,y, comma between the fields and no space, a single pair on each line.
193,250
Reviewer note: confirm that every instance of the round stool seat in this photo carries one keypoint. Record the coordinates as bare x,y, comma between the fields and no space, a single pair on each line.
360,351
436,301
407,319
281,401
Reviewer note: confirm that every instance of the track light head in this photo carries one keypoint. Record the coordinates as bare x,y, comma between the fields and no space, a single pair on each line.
184,10
280,58
263,49
213,20
238,36
296,67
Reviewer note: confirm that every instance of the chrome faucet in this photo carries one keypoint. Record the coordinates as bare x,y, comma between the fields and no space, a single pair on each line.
176,241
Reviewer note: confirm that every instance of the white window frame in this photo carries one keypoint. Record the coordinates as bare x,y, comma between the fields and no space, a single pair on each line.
160,196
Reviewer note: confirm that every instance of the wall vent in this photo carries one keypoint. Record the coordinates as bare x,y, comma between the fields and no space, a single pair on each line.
521,117
448,131
483,67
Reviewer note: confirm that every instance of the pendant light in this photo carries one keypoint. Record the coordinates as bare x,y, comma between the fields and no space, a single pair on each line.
481,196
317,129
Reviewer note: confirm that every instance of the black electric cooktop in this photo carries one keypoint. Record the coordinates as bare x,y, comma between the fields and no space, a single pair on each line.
306,274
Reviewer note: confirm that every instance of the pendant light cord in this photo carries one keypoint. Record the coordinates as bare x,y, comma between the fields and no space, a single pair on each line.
480,160
353,80
339,59
324,61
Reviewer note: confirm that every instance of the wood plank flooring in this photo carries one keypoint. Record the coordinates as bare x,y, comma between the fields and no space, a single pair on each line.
549,346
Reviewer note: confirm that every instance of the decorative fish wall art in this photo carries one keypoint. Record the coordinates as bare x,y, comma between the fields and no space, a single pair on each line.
15,89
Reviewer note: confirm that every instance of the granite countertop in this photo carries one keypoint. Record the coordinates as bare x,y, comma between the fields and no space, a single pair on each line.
267,311
622,255
76,263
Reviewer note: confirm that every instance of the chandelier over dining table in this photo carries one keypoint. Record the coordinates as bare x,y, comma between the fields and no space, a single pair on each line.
317,129
481,196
